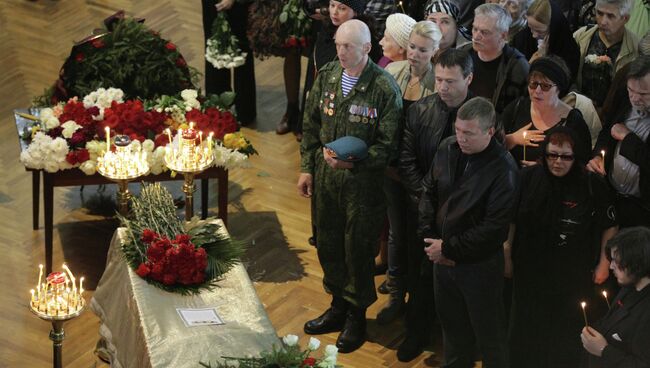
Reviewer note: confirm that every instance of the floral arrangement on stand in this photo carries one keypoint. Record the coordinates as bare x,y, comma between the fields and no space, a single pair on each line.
127,54
222,48
176,257
71,134
289,355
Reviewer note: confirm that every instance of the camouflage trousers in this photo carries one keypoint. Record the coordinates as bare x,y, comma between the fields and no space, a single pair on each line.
350,210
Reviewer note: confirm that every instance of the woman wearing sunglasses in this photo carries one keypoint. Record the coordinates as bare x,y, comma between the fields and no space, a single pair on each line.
528,119
565,215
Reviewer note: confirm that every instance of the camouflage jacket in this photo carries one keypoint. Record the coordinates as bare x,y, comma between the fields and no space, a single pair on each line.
372,111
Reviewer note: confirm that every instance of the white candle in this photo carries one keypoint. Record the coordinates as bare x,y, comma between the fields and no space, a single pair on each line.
108,139
584,313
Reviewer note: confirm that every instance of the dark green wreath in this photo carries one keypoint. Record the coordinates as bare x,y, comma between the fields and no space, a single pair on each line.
124,54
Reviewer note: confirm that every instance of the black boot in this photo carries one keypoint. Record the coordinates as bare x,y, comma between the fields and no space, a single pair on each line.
331,321
410,348
396,305
354,331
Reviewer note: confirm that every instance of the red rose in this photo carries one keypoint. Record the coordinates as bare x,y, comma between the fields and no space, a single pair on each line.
303,41
143,270
71,158
169,279
181,62
293,41
82,155
80,57
98,43
170,46
148,236
182,239
309,362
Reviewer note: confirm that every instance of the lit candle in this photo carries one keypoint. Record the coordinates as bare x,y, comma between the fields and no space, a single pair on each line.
191,125
402,7
602,153
169,135
40,277
81,283
525,143
584,313
200,138
210,143
605,293
108,139
33,300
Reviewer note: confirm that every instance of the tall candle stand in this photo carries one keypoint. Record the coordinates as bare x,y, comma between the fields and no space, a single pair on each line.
57,300
122,166
186,156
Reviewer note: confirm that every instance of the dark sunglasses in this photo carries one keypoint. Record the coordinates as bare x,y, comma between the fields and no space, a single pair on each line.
545,86
555,157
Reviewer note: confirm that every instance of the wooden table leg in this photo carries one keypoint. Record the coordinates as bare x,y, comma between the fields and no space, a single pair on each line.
204,197
48,209
36,197
223,196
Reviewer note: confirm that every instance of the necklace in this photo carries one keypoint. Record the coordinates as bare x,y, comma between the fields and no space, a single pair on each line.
413,82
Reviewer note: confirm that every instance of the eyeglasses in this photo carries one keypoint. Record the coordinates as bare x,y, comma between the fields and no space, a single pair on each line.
556,156
545,86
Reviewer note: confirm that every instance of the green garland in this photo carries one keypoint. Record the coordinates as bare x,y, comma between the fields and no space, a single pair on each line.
155,210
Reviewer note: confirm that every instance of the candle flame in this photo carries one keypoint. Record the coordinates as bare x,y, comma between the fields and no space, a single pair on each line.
583,304
604,293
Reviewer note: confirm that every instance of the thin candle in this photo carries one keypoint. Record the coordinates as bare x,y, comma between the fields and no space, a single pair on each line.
584,313
200,137
169,135
525,143
40,277
81,283
402,7
108,139
605,295
32,292
602,153
210,143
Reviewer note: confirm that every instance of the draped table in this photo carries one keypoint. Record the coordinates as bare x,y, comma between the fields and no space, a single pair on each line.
140,326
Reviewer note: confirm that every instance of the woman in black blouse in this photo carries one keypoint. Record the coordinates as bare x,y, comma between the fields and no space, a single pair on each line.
528,119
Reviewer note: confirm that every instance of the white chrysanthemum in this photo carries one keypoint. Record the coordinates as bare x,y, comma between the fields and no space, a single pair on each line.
51,166
156,161
314,343
59,147
95,149
189,94
290,340
49,119
89,167
69,127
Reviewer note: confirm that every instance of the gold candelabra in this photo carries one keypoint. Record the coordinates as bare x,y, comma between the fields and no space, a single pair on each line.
57,300
122,166
185,155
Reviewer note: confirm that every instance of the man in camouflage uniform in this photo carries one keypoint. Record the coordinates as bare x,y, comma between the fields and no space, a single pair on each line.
349,198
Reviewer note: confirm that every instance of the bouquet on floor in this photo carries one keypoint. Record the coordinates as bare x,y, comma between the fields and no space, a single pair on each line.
222,48
72,134
176,257
275,26
289,355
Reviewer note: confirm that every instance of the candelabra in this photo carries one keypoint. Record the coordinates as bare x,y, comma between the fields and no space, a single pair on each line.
185,156
122,166
57,300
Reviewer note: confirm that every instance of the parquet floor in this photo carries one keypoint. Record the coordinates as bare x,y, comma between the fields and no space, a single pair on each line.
265,210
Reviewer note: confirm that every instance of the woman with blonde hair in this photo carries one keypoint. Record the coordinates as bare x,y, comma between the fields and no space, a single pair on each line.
548,33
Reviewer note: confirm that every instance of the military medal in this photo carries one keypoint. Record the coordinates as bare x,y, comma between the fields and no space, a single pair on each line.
330,112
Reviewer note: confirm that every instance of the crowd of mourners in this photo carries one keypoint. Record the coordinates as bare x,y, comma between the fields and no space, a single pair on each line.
503,174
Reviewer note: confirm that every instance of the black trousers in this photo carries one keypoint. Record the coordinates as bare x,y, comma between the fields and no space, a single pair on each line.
218,80
469,301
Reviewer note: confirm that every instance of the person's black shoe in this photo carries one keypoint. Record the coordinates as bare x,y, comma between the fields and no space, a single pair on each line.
411,348
283,126
331,321
312,241
354,332
383,288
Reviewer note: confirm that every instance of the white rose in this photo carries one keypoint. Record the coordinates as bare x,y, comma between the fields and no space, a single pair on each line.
290,340
189,94
314,343
69,127
331,350
89,167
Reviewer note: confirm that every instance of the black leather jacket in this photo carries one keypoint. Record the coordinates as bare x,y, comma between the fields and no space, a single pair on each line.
470,214
428,122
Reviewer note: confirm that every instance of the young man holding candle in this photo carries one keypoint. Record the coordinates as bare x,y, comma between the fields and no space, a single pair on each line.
626,145
622,337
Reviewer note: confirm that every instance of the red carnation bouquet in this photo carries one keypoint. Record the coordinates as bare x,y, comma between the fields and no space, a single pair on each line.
171,254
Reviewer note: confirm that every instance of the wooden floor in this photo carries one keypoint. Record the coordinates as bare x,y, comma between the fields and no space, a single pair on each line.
265,209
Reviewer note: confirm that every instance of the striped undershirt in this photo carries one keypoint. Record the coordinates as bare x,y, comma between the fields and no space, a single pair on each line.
347,83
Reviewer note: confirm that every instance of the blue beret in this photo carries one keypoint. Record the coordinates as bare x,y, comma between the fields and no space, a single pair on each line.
349,148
